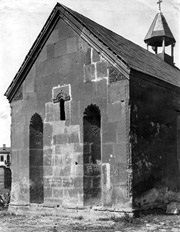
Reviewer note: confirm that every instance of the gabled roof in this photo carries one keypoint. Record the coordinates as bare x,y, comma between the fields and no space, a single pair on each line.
158,30
123,50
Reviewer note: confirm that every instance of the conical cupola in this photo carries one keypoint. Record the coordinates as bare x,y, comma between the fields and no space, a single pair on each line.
160,35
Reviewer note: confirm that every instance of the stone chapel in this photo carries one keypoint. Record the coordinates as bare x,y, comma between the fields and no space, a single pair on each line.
95,117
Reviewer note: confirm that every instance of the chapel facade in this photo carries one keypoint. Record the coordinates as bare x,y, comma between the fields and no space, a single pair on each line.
95,118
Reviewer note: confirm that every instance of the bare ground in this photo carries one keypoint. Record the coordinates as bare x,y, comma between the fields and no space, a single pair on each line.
146,223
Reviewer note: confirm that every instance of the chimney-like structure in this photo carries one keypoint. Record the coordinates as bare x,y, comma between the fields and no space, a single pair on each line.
160,35
4,146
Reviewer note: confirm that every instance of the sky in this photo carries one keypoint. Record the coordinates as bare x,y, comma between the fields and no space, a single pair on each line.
22,20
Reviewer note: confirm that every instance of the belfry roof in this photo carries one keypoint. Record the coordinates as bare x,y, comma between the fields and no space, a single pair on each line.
128,53
158,30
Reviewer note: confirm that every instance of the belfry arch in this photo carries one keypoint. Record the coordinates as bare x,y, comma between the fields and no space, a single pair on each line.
36,159
92,155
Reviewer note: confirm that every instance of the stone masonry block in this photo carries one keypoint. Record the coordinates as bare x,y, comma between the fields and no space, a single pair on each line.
75,112
72,45
56,182
56,171
121,130
43,55
73,193
95,56
47,159
60,139
101,69
120,152
56,113
58,149
101,88
65,31
114,112
47,192
53,38
120,194
47,134
109,132
89,72
50,51
117,91
119,176
68,183
79,170
49,112
115,75
58,160
48,67
88,56
78,182
58,127
78,147
48,171
66,171
107,151
57,192
60,48
74,138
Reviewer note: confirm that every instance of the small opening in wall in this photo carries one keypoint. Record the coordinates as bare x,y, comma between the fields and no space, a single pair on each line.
62,110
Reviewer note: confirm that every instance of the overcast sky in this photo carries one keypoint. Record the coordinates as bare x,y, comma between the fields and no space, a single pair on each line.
22,20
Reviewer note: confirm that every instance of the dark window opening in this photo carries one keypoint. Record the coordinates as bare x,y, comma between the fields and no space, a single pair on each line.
92,155
36,159
2,158
62,110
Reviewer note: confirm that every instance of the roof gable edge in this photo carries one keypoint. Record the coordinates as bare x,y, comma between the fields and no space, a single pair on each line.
58,12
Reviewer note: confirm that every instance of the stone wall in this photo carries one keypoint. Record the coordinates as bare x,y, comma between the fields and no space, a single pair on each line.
68,64
154,107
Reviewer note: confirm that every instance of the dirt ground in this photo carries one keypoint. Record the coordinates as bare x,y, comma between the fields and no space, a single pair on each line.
146,223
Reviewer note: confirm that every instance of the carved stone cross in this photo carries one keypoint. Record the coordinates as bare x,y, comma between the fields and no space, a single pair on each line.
61,98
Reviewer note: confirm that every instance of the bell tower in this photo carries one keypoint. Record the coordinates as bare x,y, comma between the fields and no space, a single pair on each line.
160,36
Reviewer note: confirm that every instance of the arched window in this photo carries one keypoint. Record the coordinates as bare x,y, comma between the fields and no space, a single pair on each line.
36,159
62,110
92,155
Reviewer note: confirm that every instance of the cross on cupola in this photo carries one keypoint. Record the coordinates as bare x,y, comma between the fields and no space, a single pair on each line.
159,3
159,36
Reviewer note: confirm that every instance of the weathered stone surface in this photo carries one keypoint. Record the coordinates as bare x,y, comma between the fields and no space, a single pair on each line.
109,132
88,56
47,192
47,160
114,112
48,171
101,88
115,75
74,138
54,37
47,134
72,45
60,139
43,55
50,51
60,48
101,69
107,152
117,91
57,193
89,72
95,56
